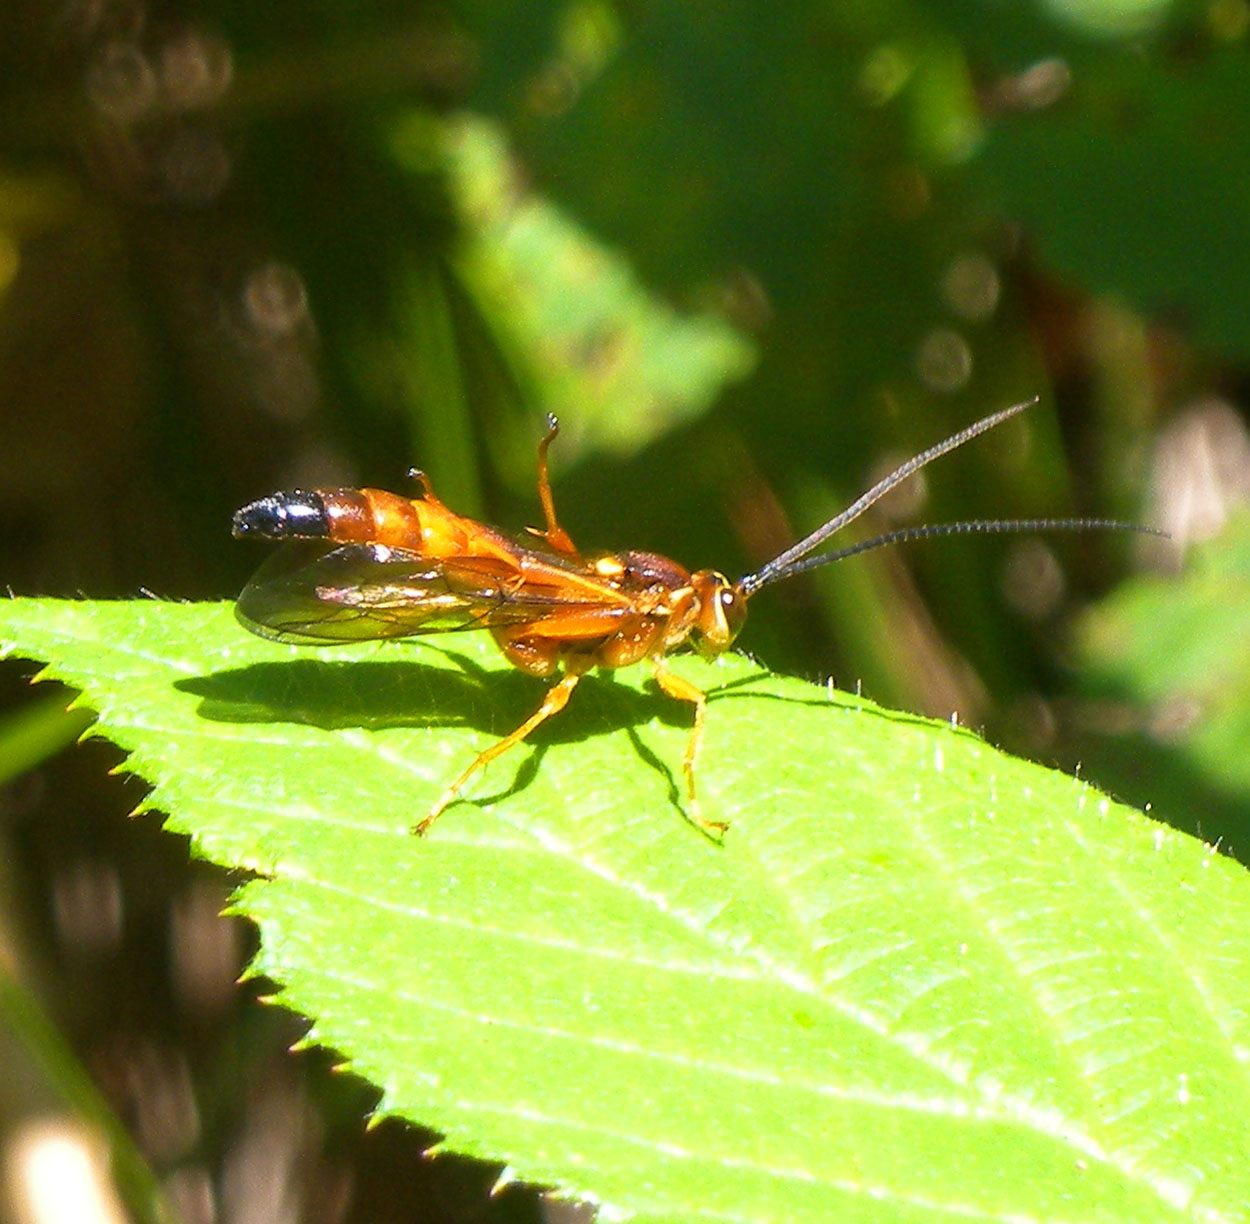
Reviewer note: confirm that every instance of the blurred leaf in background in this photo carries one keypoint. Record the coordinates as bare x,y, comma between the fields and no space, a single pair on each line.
615,363
751,254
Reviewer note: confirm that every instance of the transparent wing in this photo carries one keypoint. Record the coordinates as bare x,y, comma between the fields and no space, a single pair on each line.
317,594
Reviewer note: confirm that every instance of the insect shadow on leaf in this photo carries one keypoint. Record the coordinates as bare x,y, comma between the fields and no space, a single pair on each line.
376,696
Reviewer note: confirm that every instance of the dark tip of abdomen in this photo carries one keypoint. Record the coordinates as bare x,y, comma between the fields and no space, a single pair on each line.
283,516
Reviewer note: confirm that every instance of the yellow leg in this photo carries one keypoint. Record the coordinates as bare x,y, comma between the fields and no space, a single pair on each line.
556,699
683,690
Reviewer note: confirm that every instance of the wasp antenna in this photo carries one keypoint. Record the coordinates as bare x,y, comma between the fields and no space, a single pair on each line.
969,527
781,566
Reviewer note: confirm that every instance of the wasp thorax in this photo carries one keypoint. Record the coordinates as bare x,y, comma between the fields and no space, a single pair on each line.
722,612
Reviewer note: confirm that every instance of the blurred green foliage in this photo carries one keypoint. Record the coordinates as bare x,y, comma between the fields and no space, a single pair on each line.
750,253
1166,677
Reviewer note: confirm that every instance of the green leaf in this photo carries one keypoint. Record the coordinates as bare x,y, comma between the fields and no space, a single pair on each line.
35,733
590,341
919,981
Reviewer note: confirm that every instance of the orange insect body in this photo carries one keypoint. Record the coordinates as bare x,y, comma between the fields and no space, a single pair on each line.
382,566
364,564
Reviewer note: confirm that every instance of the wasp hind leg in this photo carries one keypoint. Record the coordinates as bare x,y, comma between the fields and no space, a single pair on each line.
683,690
556,699
553,533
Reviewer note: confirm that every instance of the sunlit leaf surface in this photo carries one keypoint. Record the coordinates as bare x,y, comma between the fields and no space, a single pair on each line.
919,981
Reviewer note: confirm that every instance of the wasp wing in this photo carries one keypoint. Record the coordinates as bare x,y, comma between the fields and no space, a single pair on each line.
313,594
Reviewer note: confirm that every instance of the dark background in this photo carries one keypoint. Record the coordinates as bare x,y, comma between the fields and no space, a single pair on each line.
752,255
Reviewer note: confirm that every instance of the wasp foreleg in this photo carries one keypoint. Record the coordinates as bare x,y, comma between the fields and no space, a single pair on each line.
683,690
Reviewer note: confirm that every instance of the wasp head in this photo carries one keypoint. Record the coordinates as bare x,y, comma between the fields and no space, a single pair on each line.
722,612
